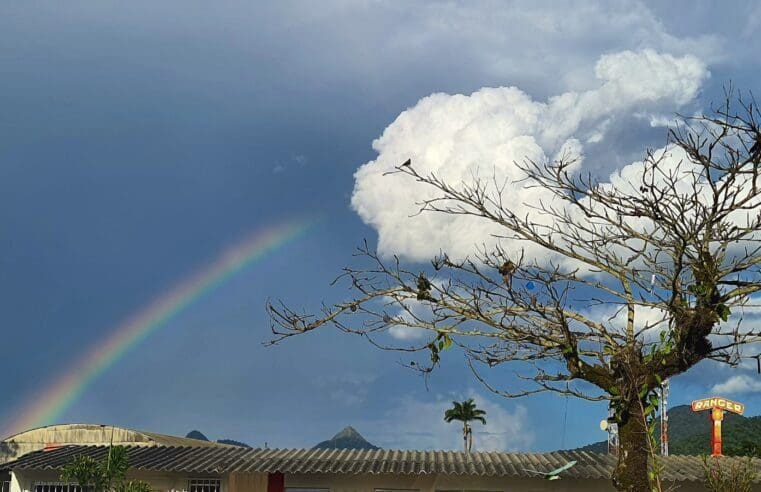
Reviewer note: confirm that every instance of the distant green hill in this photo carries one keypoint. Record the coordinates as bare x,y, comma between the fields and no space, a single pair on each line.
690,434
195,434
348,438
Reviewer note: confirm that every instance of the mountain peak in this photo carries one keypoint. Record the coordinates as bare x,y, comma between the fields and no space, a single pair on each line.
348,438
348,432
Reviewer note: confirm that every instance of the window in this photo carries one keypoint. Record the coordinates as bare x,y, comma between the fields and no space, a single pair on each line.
5,486
199,485
56,487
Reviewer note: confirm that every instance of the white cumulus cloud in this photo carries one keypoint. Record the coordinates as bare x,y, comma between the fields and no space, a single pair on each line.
406,333
737,385
650,319
483,135
412,313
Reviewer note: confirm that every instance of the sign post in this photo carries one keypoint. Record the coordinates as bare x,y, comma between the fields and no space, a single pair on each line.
717,406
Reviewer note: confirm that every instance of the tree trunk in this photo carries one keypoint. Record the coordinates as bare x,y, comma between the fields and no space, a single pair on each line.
631,473
465,436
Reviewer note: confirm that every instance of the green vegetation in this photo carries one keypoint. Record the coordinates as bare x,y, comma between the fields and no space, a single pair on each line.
721,477
690,434
106,475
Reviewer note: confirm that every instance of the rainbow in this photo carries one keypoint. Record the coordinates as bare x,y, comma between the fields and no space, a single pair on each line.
49,404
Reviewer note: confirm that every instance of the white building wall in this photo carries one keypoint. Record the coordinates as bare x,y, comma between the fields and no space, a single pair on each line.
434,483
257,482
451,483
246,482
24,481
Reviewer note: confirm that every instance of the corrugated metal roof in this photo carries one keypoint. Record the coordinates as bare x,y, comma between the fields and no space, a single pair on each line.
342,461
94,434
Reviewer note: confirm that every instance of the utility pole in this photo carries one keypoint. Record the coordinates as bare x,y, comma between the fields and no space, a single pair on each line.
664,418
611,428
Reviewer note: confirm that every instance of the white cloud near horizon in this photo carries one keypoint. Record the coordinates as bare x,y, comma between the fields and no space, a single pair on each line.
484,134
412,423
738,385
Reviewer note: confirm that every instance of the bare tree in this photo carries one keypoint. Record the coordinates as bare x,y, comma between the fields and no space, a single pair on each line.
681,240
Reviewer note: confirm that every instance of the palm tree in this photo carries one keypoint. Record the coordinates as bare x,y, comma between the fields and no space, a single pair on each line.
465,412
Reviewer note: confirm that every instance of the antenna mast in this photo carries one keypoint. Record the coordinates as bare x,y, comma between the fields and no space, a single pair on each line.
612,429
664,418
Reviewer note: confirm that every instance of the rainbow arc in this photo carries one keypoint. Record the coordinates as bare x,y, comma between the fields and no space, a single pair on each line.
49,404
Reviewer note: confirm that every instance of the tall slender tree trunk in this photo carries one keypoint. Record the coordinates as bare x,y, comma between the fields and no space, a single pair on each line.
465,436
631,473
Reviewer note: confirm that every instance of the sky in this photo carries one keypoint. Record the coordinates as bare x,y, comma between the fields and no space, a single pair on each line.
140,140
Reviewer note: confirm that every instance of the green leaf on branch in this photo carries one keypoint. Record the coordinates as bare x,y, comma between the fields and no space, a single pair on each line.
654,401
723,311
698,289
446,342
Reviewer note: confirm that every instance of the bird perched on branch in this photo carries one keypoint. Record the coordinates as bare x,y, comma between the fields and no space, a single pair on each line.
399,168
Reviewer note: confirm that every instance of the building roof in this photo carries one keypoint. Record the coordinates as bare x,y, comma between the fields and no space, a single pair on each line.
94,434
351,462
90,435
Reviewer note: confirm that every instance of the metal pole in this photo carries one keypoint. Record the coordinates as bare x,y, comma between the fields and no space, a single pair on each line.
612,434
664,418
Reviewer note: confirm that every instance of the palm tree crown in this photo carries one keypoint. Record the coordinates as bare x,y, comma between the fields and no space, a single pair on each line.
465,411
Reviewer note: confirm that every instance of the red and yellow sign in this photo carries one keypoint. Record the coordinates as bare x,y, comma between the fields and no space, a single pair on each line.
717,406
722,403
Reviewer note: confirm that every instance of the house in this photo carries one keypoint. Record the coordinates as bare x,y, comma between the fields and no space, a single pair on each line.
87,434
221,468
83,434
